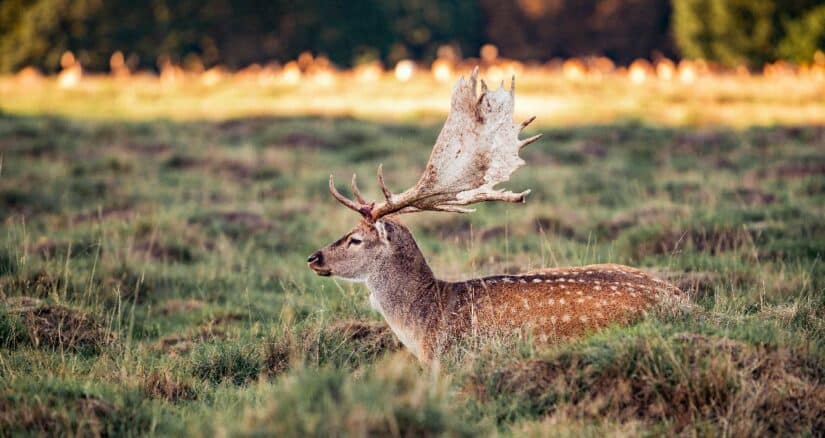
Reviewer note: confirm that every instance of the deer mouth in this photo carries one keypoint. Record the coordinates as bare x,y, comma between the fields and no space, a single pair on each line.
323,272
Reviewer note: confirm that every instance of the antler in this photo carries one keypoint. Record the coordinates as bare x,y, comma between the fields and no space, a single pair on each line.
476,150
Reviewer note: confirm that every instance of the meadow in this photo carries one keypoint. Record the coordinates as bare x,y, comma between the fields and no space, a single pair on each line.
153,247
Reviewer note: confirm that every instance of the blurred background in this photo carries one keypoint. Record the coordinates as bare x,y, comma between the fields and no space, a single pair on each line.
237,33
687,61
163,177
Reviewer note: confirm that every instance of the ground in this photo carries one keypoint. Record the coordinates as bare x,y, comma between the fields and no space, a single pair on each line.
153,279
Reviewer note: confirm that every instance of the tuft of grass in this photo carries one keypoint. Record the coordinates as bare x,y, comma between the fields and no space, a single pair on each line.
13,333
67,407
348,343
168,387
237,364
8,263
680,381
391,398
54,327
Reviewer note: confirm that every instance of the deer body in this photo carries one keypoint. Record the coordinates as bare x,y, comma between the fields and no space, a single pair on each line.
477,149
430,315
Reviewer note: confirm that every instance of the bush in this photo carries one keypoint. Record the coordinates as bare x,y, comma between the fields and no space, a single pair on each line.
229,32
751,32
804,37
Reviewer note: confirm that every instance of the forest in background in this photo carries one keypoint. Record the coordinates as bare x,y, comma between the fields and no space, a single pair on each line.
236,33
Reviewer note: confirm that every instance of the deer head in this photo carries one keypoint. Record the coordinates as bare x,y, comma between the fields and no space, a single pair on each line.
476,150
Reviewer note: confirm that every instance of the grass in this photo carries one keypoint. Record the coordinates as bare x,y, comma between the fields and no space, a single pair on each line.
152,281
712,99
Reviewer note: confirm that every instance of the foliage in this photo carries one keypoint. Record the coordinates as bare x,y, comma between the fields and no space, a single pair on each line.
805,37
622,30
233,33
737,32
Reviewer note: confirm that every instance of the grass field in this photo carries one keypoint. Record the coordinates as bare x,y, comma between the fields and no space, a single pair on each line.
153,278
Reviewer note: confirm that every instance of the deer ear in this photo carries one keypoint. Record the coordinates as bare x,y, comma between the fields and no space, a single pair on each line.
383,230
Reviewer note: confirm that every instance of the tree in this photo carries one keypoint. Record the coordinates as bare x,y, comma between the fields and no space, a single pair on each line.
234,33
749,32
804,37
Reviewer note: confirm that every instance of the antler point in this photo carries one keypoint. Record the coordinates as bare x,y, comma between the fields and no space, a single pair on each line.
527,122
529,140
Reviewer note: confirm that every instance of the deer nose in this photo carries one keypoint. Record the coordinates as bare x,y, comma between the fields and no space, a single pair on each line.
316,257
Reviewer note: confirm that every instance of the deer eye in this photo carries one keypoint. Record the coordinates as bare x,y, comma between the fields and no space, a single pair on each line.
354,241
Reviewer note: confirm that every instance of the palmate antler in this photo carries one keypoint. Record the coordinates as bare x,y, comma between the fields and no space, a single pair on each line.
476,150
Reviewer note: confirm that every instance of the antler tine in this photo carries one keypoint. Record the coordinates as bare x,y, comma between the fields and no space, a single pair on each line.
527,122
494,196
453,209
355,190
364,210
383,185
529,140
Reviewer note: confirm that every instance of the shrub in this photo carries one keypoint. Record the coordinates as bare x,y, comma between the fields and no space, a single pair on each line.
734,32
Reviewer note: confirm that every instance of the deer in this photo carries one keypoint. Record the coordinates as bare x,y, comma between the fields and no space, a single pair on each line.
476,150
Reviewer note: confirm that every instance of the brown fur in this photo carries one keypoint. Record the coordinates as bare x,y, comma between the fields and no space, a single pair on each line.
430,315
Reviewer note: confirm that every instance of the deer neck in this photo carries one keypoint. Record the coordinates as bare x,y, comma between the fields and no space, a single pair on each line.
404,291
401,284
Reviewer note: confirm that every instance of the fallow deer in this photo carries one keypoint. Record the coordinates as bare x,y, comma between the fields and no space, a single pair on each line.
476,150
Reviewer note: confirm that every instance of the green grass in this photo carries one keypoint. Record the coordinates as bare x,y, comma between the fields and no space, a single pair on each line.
152,281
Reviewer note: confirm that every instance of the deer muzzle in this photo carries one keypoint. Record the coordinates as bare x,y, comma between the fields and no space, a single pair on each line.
316,263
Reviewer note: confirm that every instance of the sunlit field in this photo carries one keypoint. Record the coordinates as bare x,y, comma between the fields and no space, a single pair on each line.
155,231
576,92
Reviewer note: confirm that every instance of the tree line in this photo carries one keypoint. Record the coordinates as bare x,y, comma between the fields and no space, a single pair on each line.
236,33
